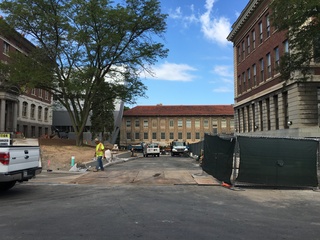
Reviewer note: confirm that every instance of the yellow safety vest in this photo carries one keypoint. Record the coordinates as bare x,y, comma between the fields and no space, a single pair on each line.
99,150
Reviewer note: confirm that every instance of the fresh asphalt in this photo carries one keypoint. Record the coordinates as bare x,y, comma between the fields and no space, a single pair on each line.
45,210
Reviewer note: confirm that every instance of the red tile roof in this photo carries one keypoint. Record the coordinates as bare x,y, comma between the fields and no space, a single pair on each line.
180,110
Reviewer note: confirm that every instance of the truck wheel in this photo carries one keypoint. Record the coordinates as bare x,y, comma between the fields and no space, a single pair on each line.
4,186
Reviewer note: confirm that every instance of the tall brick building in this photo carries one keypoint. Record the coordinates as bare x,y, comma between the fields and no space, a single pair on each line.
264,104
28,112
162,124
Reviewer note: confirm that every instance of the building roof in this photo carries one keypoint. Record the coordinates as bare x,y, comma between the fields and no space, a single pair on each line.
180,110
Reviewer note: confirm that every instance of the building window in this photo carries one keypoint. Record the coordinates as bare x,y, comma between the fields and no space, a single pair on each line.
32,111
33,91
24,109
248,44
239,54
269,65
180,123
244,81
197,135
286,46
206,123
276,59
253,39
154,135
239,85
154,123
33,131
171,135
46,114
254,67
261,70
214,126
171,123
40,93
268,25
6,48
145,135
180,135
243,50
39,113
137,123
188,135
46,95
145,123
128,135
188,123
163,136
260,32
137,136
128,123
163,123
231,124
249,77
223,123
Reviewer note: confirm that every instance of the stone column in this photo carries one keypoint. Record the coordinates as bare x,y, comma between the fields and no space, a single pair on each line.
2,115
15,116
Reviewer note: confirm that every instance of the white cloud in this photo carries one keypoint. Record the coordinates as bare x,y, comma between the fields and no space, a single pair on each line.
223,70
173,72
215,29
223,89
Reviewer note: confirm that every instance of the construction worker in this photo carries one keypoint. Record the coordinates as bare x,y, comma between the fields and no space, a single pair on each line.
99,154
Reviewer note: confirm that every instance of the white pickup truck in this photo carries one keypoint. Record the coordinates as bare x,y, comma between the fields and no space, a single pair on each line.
19,160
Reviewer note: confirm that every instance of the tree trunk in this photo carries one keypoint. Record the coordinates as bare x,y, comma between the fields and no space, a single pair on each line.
79,139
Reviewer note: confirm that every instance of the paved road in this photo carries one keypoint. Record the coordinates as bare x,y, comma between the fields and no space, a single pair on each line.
136,208
125,170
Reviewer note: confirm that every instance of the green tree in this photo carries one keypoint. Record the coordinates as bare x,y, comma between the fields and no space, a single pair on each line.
301,21
80,44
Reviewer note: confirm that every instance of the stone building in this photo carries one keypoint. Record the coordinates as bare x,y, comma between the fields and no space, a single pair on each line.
162,124
264,104
30,111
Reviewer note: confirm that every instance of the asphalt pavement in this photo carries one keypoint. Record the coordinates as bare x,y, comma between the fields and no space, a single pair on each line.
192,175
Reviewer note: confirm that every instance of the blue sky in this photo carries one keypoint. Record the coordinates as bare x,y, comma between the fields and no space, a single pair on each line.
199,67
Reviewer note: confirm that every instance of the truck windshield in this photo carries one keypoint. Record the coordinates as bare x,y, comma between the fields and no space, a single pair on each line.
178,144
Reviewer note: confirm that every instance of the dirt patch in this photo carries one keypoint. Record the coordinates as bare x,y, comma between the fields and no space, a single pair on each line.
56,153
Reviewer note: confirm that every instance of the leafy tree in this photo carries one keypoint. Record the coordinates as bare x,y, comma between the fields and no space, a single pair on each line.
301,21
102,118
82,43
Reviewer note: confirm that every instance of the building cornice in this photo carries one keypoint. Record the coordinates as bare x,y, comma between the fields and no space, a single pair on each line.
245,14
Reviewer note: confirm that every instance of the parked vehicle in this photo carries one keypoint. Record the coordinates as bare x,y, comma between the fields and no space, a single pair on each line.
151,149
179,147
19,160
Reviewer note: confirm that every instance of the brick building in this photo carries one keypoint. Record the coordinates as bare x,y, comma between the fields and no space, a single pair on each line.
28,112
162,124
264,104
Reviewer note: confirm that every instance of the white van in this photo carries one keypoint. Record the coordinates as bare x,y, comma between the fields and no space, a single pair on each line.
151,149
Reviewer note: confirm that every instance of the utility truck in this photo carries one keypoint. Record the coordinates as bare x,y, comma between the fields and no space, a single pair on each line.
179,148
152,149
19,160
